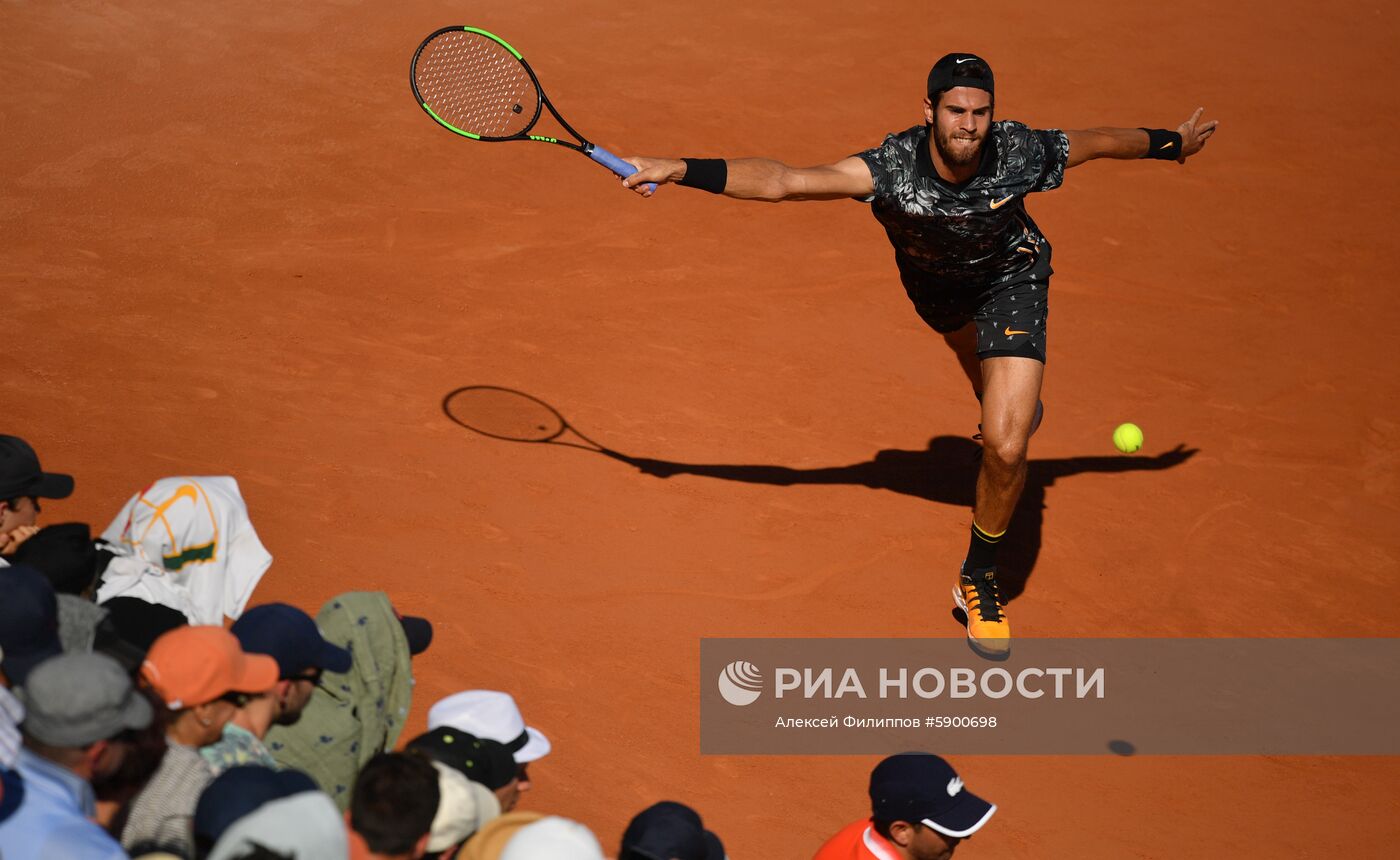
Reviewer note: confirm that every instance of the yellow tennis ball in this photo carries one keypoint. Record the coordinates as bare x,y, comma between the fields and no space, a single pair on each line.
1127,438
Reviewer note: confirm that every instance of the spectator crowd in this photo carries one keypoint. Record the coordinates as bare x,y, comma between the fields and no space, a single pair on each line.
134,723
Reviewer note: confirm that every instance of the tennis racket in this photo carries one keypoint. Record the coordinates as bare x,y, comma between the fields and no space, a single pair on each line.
473,83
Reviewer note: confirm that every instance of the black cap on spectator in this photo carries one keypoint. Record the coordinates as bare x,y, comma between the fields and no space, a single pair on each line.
418,631
669,831
482,760
141,623
64,553
20,474
28,621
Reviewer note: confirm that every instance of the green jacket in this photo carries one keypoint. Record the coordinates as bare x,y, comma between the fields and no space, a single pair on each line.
351,716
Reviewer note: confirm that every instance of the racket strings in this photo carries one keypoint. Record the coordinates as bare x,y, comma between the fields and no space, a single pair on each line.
475,84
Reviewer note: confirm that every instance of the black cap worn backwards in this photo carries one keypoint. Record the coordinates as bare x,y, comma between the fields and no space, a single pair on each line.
20,474
948,73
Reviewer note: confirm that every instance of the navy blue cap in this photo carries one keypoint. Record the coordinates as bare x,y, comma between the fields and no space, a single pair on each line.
28,621
923,788
20,474
669,831
11,792
240,791
290,637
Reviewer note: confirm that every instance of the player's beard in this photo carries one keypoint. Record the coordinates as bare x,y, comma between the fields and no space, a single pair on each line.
956,149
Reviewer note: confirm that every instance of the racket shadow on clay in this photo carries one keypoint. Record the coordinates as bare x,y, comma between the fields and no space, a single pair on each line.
514,416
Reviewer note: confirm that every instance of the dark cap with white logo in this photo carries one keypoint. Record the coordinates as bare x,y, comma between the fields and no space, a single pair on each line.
923,788
960,70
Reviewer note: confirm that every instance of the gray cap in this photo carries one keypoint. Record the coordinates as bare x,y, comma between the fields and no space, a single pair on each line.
74,700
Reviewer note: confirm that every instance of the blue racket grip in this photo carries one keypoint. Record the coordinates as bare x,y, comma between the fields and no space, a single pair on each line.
615,164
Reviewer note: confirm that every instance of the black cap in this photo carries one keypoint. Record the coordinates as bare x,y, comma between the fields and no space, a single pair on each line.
946,74
20,474
28,621
669,831
923,788
64,553
140,623
482,760
418,631
291,637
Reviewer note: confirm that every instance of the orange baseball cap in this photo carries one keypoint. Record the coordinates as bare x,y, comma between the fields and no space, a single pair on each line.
191,666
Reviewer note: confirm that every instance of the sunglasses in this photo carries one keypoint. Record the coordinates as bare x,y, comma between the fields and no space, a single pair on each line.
313,676
238,700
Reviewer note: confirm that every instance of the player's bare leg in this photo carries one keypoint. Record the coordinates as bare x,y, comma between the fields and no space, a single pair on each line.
1010,399
1008,412
963,343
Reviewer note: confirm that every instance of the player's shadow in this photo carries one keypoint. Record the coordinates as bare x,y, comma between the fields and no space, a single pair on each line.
944,472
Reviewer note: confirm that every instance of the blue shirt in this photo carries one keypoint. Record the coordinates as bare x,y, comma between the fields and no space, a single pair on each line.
54,817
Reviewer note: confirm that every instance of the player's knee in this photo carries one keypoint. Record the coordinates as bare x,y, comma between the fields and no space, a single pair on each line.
1007,451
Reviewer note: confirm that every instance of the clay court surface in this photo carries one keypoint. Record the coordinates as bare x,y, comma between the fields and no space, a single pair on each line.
230,243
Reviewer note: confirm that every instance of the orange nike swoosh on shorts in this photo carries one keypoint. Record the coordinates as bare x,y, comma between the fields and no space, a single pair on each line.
1008,332
996,204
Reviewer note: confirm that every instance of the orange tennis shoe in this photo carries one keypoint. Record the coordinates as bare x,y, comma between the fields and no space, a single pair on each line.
988,631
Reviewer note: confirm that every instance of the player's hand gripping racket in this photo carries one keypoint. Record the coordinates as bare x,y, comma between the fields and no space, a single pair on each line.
473,83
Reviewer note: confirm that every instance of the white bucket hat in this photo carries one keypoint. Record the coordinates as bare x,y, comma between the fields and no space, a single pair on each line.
490,714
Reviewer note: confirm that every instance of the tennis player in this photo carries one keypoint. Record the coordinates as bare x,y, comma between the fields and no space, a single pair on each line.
951,194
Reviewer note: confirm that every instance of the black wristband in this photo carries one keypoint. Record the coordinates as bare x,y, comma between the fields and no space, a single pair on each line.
1163,144
708,174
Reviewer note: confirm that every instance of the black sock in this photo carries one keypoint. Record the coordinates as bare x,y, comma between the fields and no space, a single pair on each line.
981,550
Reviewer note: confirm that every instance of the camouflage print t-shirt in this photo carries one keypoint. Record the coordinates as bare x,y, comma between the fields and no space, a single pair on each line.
964,237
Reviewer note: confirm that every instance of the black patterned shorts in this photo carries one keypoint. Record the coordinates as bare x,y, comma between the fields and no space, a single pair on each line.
1010,317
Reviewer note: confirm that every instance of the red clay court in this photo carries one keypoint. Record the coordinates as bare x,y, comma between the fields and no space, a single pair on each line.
232,244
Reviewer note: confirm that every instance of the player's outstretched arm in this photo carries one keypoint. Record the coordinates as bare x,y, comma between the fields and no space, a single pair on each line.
755,178
1189,138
